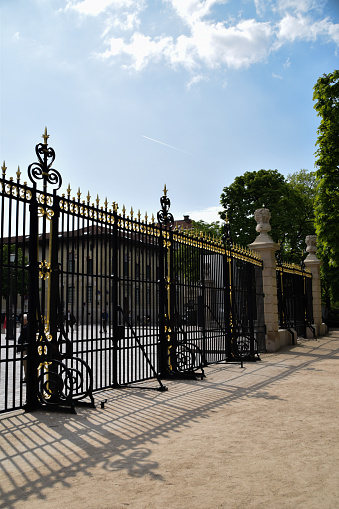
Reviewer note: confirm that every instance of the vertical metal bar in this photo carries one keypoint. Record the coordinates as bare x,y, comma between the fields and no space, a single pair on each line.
114,310
250,298
202,302
32,383
227,267
54,275
163,363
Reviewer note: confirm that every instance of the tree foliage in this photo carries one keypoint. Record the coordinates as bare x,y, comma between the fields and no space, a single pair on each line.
187,262
326,97
213,229
290,201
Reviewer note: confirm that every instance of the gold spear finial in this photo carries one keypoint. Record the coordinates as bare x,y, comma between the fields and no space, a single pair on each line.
146,217
106,203
4,168
18,173
132,212
97,200
79,193
88,197
165,190
69,190
123,210
153,219
45,136
139,215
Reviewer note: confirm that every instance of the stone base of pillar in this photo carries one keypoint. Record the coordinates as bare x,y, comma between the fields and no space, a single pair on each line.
319,330
322,329
309,332
283,337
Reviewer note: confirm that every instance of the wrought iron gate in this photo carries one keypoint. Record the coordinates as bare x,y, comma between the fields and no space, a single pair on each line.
113,298
295,306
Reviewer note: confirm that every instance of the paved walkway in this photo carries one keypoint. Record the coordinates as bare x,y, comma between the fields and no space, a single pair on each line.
265,436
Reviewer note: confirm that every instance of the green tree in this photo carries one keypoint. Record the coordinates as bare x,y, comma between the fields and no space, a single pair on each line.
14,277
214,229
326,97
187,263
290,202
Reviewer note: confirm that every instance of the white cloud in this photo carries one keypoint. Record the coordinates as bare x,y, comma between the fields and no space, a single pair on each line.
300,6
192,11
300,27
196,79
236,46
203,41
96,7
125,21
211,44
333,32
260,6
287,63
141,49
209,215
116,46
276,76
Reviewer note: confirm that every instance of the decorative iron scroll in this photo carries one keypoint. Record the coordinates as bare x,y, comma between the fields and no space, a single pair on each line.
165,218
42,170
63,378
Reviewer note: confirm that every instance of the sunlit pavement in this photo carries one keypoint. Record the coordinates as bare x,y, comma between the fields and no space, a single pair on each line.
42,454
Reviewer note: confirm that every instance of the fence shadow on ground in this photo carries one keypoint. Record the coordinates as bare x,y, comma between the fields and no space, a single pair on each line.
42,450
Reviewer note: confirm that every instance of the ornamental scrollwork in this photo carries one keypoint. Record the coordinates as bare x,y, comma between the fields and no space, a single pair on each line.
42,169
165,218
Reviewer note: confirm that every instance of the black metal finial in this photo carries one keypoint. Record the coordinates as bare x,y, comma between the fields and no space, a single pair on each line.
42,170
165,218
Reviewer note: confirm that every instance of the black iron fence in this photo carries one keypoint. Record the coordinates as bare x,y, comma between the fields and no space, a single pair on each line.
112,298
295,306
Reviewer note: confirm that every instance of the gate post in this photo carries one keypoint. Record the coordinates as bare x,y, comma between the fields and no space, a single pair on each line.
166,222
313,264
266,247
163,353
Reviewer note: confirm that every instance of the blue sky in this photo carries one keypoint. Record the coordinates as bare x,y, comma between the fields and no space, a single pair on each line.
139,93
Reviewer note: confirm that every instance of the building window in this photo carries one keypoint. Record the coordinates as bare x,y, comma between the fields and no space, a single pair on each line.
71,294
89,266
71,262
126,260
89,294
148,272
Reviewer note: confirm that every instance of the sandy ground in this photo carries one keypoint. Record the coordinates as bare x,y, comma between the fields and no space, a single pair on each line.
265,436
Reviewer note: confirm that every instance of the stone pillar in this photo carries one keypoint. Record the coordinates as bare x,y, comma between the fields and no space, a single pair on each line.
313,264
266,247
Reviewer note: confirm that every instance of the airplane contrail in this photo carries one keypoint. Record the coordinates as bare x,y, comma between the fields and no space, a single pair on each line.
161,143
